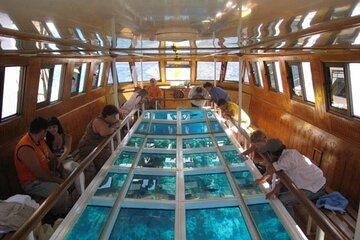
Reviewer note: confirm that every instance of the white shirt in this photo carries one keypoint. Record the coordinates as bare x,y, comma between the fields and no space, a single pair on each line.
131,103
204,93
301,170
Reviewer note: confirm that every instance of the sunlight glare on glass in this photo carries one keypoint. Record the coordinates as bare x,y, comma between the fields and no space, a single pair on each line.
307,19
6,22
356,10
53,29
312,40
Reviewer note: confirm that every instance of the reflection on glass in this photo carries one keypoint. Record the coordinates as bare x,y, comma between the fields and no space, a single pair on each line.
233,157
90,223
149,70
207,186
142,128
196,160
216,127
152,187
223,141
205,71
160,143
216,223
168,115
163,128
125,159
111,185
193,128
210,114
232,71
245,181
149,224
156,160
197,142
190,115
135,142
268,223
338,87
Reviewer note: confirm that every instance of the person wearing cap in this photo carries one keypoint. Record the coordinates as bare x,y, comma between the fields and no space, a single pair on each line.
198,96
216,92
307,177
154,92
135,99
230,110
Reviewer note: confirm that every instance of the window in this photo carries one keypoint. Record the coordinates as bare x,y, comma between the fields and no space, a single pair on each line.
123,72
246,76
98,72
256,74
300,81
178,71
232,71
10,87
50,84
79,78
274,77
149,70
343,88
205,71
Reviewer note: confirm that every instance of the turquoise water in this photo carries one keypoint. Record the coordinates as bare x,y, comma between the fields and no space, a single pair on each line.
125,159
197,142
216,224
90,224
168,115
162,128
194,128
232,157
152,187
111,185
135,142
191,115
165,143
268,223
245,181
210,114
223,141
207,186
196,160
144,224
156,160
216,127
142,128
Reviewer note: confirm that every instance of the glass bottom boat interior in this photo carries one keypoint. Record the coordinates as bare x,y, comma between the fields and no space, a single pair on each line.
177,175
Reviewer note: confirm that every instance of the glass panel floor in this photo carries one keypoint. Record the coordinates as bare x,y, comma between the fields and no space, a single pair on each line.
178,176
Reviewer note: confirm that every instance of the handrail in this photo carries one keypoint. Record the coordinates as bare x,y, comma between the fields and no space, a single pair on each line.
321,220
49,202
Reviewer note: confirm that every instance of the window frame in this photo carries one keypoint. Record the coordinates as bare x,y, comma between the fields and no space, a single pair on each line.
218,64
61,87
255,74
344,112
273,75
76,93
21,91
99,79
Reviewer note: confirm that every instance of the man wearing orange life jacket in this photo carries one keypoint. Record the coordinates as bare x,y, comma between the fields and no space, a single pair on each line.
32,165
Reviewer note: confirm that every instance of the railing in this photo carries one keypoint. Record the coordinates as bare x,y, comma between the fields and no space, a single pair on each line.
157,100
49,202
324,226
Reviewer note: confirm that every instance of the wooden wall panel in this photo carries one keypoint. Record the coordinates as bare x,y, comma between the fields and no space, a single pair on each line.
338,159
